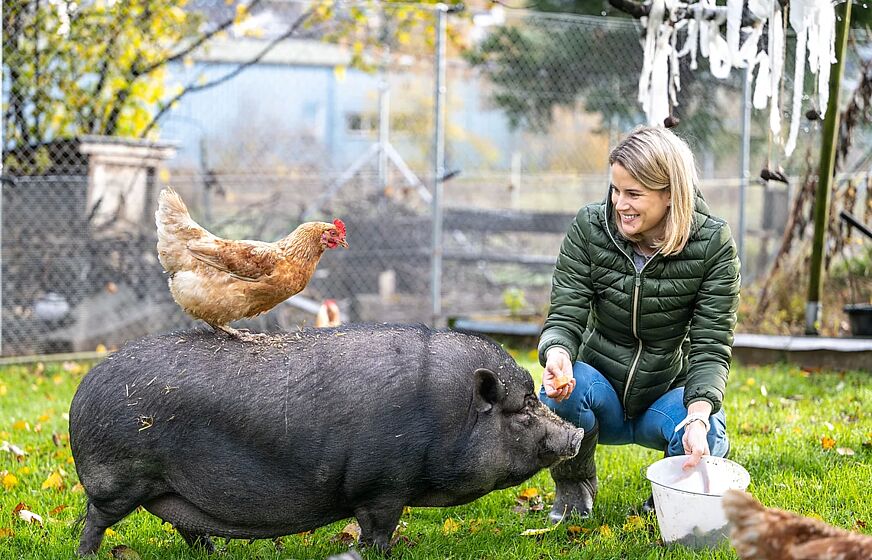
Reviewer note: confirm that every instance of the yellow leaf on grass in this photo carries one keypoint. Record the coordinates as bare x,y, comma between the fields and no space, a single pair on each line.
528,493
9,481
54,481
77,488
3,389
21,425
606,532
634,523
6,533
450,526
537,532
828,443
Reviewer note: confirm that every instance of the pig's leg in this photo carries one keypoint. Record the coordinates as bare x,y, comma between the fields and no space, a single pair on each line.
377,524
197,541
97,520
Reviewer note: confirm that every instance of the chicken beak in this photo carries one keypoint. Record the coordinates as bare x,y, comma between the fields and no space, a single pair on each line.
344,243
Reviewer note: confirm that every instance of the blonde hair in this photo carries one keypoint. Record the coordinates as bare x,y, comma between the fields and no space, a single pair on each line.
658,159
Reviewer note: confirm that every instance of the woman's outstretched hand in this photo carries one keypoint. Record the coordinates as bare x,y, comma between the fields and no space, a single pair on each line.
695,442
695,438
557,378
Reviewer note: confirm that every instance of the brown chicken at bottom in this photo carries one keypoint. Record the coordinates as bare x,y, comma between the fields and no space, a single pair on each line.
762,533
222,280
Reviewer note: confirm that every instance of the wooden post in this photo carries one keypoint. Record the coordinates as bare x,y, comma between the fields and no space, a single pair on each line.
825,174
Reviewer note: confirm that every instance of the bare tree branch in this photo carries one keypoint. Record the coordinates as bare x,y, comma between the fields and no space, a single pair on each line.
635,9
238,70
192,47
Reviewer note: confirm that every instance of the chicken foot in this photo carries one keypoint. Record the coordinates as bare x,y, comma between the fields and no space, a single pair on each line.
240,335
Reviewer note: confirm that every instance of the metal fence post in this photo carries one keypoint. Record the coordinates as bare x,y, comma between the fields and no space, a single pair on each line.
438,167
744,161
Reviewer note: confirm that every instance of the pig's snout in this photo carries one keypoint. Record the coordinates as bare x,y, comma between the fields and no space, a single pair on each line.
574,444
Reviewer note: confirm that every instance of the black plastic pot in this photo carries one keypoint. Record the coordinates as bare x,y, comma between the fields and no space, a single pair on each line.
860,317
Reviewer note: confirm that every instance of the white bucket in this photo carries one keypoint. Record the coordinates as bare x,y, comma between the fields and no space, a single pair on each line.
688,502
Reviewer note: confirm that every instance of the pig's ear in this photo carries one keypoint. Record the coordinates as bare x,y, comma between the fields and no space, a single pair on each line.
489,390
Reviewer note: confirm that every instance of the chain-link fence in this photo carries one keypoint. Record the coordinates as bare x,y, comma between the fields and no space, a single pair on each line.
274,120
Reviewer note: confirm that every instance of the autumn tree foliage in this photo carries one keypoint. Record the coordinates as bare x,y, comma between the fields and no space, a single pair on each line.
102,67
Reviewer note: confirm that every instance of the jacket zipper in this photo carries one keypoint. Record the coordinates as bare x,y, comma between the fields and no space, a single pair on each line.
637,284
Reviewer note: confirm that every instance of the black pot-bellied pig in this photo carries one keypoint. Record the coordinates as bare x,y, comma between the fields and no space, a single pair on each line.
255,440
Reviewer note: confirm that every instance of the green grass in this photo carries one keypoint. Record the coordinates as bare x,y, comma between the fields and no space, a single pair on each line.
777,436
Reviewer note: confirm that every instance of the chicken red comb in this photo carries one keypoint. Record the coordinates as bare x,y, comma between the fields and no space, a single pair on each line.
340,225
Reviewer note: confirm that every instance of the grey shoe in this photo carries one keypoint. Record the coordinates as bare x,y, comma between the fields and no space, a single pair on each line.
576,482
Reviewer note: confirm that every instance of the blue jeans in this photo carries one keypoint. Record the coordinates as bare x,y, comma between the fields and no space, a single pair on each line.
594,401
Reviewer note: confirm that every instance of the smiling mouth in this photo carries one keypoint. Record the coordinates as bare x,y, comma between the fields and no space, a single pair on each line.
628,217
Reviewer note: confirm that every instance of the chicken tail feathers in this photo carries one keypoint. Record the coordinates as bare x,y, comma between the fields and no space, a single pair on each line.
175,228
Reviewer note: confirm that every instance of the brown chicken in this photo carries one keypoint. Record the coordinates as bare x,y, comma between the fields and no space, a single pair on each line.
328,315
762,533
222,280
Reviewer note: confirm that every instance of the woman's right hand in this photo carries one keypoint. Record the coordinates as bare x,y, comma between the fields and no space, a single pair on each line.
557,380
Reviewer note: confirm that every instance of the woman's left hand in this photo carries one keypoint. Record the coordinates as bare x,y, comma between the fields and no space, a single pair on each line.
695,442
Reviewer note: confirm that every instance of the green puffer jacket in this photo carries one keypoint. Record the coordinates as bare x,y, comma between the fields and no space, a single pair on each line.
668,325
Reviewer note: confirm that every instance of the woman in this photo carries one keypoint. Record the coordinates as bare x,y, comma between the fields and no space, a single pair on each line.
643,308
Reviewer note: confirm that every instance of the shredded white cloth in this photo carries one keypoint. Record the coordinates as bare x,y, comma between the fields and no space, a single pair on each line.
813,21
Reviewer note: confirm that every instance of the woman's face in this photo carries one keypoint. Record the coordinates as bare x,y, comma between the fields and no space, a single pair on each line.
640,210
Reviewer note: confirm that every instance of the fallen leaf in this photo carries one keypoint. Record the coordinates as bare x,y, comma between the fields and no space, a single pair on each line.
100,349
528,493
14,449
21,425
349,535
58,509
750,381
110,533
122,552
634,523
845,451
54,481
3,389
6,533
77,488
828,443
606,532
29,517
9,481
573,530
537,532
450,526
859,525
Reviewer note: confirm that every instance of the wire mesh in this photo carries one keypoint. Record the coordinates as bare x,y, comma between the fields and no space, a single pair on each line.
276,120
